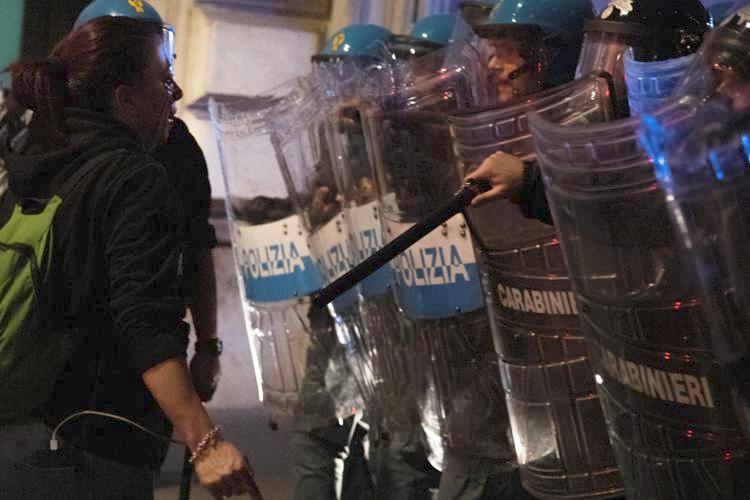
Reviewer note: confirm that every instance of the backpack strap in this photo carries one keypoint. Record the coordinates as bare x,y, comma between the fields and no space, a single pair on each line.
87,169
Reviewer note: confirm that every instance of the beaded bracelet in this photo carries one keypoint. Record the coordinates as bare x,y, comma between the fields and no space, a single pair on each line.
211,438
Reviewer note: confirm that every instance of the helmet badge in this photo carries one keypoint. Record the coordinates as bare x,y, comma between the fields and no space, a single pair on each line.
624,6
337,41
137,5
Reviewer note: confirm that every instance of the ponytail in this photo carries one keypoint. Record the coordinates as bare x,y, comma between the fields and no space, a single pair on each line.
41,86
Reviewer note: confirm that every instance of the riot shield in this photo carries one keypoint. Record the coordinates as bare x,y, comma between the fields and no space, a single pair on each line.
651,84
273,264
604,46
670,421
437,282
700,148
299,140
721,64
547,375
386,345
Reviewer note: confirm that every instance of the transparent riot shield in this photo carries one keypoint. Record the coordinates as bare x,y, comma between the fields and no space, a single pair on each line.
382,342
273,264
604,46
558,427
299,140
721,65
700,148
651,84
438,288
670,420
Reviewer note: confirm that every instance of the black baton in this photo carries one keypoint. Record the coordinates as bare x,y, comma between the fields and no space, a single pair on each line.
187,475
460,200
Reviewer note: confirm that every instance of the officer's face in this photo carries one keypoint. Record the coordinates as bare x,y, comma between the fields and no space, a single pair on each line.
504,60
511,73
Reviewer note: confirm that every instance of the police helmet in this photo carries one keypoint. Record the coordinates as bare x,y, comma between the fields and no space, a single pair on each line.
550,30
355,40
668,28
476,12
427,35
132,9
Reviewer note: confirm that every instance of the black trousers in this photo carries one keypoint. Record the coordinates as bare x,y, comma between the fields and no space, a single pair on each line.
29,471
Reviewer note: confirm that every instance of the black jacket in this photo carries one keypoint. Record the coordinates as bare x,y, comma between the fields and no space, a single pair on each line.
116,276
187,172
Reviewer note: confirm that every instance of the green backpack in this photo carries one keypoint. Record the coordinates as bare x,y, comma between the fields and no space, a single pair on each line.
31,355
33,349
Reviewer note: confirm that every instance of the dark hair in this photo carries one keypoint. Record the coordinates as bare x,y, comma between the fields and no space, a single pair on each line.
83,70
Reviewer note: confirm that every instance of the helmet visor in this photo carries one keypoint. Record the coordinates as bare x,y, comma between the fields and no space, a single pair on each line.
167,42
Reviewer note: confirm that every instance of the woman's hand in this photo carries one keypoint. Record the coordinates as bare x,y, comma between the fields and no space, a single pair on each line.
224,472
504,173
219,465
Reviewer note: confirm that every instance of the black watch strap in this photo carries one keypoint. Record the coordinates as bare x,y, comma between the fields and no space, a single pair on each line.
210,346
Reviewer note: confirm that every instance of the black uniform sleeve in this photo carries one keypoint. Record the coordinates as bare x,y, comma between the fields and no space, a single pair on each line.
143,261
188,173
533,197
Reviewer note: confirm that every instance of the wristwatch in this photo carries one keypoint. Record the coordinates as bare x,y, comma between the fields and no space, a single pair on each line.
210,346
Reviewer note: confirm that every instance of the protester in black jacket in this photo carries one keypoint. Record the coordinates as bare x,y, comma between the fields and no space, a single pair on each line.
106,96
187,172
